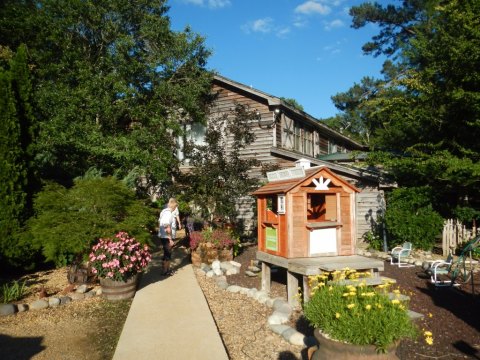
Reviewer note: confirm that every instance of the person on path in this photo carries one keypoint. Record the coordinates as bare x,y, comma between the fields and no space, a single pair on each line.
166,221
176,223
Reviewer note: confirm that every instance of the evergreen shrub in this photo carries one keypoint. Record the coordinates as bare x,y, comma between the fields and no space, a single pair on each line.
68,221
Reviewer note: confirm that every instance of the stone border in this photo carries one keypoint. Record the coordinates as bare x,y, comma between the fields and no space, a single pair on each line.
80,293
282,311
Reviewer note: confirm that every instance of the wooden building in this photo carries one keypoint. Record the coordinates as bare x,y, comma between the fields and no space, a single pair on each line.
283,136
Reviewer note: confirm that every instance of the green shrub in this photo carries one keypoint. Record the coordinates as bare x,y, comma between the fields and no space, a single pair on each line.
13,291
68,221
410,217
357,315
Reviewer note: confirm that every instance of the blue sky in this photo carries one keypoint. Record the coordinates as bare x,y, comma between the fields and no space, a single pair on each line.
301,49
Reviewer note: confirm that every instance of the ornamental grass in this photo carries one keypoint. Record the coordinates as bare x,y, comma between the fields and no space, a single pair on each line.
360,315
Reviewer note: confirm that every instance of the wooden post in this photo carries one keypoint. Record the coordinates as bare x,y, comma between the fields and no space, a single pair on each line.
292,289
306,289
266,277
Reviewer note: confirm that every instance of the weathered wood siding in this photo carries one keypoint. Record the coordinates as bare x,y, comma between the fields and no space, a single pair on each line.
370,204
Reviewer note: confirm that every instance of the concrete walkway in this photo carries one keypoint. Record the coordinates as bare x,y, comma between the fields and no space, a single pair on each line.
170,318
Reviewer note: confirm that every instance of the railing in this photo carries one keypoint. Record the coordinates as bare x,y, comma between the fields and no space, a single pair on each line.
454,235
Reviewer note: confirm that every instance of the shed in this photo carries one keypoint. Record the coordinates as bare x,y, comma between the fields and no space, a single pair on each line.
306,213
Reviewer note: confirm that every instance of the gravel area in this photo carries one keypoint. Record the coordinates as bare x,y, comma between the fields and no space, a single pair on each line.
452,314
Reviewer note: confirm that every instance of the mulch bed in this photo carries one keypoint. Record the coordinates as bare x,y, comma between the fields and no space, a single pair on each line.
451,314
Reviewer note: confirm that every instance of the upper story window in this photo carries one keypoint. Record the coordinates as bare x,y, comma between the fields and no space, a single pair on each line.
192,132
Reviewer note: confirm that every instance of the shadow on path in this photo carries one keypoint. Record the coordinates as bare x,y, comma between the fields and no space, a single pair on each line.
180,258
20,348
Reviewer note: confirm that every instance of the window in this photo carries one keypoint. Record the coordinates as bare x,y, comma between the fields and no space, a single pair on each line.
297,136
308,142
192,132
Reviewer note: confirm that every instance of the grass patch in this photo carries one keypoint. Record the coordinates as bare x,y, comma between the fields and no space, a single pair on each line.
110,317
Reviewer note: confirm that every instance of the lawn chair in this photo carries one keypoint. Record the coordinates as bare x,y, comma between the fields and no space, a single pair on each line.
401,252
439,269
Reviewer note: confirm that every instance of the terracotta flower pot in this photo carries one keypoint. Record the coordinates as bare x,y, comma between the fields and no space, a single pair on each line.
332,349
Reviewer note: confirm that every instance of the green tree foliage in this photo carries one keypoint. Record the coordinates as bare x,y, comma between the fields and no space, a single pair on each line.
68,221
220,174
111,82
293,103
16,134
410,217
424,115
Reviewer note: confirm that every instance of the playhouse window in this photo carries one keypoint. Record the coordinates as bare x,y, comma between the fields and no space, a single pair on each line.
272,204
321,207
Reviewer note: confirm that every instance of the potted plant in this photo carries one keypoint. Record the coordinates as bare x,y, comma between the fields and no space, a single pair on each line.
117,262
356,322
211,244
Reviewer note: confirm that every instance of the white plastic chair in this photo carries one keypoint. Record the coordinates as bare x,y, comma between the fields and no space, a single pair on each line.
401,252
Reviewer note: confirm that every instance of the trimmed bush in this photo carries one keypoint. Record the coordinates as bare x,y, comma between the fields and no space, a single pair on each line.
410,217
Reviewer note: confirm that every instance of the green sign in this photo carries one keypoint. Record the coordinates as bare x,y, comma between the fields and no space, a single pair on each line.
271,239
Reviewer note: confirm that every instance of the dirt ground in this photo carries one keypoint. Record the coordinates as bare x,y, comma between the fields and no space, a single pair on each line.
451,314
86,329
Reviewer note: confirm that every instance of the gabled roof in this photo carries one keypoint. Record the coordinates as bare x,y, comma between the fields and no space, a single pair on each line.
284,186
276,102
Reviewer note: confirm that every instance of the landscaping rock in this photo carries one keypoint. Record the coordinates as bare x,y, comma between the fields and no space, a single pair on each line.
225,265
269,302
7,309
251,292
22,307
278,302
236,264
38,305
244,291
218,272
53,302
418,263
65,300
250,273
98,290
260,293
222,285
210,274
254,269
279,329
216,265
277,318
90,294
76,296
82,289
232,271
234,288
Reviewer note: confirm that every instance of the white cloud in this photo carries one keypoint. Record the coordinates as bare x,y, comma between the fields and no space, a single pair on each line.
334,24
218,3
283,32
213,4
333,49
312,7
264,25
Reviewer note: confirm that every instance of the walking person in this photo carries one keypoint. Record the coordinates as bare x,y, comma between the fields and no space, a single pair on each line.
176,223
166,224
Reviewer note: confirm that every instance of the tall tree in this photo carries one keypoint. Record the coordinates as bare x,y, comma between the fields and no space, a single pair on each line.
220,174
426,111
111,81
16,141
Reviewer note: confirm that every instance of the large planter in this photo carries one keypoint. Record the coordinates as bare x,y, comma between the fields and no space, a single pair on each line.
119,290
208,254
332,349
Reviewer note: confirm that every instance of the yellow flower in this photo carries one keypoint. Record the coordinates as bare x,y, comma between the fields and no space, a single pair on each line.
337,315
395,301
430,315
396,291
429,340
368,307
381,286
345,294
350,306
330,288
352,293
379,306
427,333
401,307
